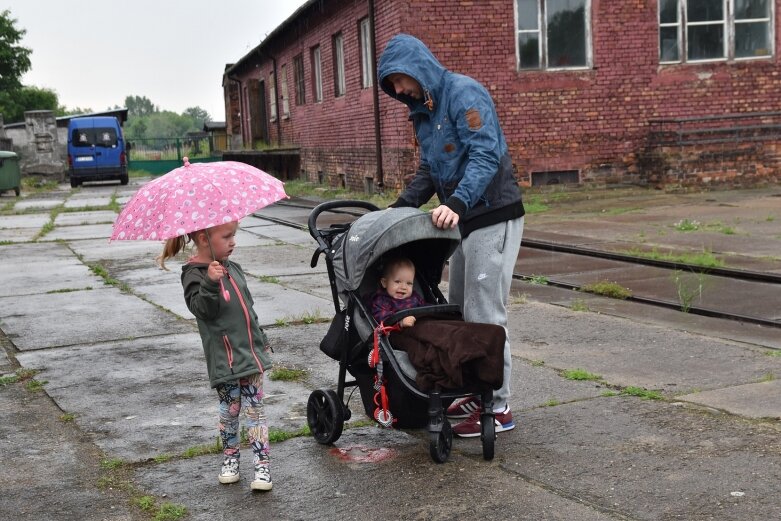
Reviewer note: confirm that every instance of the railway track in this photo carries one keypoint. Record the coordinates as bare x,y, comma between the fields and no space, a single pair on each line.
727,293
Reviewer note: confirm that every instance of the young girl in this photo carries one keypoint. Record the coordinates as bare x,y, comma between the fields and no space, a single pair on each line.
215,291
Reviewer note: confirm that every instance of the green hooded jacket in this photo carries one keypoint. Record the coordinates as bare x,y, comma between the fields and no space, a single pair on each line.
234,344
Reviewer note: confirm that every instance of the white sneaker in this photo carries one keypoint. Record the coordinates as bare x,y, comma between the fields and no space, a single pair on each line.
262,479
230,471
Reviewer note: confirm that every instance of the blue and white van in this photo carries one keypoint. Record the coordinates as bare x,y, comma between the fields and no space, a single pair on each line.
96,150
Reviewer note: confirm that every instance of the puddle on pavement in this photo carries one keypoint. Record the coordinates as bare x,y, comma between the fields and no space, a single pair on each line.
363,454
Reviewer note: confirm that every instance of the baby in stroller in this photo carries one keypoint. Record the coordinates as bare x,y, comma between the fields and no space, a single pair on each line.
446,354
407,375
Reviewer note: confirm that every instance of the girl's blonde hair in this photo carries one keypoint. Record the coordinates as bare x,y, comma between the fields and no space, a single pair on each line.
173,246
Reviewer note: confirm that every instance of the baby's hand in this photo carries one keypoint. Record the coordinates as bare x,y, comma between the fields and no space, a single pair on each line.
216,271
407,321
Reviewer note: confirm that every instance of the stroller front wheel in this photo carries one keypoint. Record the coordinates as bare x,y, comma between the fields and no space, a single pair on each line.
325,416
441,443
488,435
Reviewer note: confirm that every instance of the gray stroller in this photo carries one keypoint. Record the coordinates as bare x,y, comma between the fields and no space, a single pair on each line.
355,242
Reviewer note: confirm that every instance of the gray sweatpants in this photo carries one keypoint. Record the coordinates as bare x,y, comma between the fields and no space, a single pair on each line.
480,274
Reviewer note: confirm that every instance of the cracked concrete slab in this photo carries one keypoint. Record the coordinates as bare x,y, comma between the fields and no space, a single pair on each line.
758,400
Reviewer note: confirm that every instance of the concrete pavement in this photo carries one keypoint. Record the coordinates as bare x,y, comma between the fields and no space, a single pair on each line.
125,395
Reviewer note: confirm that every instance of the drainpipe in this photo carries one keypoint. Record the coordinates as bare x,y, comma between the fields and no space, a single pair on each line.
377,128
276,103
241,104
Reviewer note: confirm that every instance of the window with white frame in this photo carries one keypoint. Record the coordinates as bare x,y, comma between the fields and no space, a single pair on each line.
272,96
707,30
317,75
367,72
339,83
553,34
283,88
298,78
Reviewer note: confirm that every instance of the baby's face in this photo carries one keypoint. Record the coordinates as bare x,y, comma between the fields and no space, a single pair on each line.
399,283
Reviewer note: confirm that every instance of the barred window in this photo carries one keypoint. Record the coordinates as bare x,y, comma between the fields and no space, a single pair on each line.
272,97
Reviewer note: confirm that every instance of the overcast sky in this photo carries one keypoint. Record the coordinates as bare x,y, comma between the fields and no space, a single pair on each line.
94,53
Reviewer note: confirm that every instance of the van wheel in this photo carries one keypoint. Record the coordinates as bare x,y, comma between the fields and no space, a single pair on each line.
75,183
17,191
123,180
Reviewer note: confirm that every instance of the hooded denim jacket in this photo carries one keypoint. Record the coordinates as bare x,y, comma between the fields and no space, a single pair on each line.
464,158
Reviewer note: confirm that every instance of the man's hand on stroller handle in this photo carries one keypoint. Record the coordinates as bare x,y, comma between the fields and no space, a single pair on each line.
444,217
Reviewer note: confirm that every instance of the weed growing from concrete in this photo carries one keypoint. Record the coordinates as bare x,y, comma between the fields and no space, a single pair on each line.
704,258
608,394
520,298
770,218
774,352
165,512
202,450
269,279
278,435
67,417
285,374
101,272
552,403
580,374
280,322
66,290
767,377
111,464
687,225
642,393
688,289
579,305
35,386
162,458
607,289
538,363
538,279
303,318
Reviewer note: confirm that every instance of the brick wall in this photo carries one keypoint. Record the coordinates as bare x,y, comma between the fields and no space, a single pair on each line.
593,121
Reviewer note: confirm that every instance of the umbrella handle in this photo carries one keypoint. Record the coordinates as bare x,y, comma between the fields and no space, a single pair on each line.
225,294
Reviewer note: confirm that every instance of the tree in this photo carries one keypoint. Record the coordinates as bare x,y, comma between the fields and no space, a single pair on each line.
14,59
139,106
14,103
199,115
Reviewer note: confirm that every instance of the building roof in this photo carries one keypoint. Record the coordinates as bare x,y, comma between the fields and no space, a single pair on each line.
62,121
270,36
213,125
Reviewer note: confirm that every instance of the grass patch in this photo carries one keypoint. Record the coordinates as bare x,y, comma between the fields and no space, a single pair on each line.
607,289
280,322
538,363
303,318
645,394
687,225
145,503
580,375
67,417
202,450
579,305
278,435
520,298
608,394
552,403
8,380
704,258
269,279
66,290
542,280
285,374
162,458
35,386
535,204
775,353
300,188
619,211
170,512
101,272
767,377
111,464
38,184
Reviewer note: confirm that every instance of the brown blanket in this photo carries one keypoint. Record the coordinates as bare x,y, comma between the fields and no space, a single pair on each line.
453,354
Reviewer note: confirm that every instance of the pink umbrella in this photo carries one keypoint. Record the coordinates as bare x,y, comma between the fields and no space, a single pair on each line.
195,197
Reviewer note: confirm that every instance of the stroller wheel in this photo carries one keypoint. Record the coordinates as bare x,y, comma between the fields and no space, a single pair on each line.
441,443
325,416
487,435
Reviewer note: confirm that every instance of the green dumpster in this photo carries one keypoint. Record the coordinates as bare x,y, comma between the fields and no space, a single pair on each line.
10,175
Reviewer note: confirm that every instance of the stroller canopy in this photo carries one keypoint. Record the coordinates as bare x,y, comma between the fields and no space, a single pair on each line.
409,230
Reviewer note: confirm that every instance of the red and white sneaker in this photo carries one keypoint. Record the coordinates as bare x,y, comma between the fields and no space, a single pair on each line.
470,427
463,407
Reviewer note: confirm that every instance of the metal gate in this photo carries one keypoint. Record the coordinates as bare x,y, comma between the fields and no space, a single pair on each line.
160,155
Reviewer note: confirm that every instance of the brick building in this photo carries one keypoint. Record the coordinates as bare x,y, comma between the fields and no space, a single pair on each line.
589,91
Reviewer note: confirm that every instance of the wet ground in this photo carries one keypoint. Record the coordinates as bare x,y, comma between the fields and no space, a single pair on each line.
680,421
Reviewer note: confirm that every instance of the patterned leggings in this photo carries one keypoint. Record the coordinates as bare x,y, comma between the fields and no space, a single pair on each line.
244,395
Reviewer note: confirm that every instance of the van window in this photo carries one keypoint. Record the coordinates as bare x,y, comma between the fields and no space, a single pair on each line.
101,137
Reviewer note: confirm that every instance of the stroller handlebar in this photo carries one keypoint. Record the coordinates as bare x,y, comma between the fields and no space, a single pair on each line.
323,236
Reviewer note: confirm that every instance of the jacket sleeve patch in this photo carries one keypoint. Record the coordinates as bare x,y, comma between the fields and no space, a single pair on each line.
449,147
473,119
